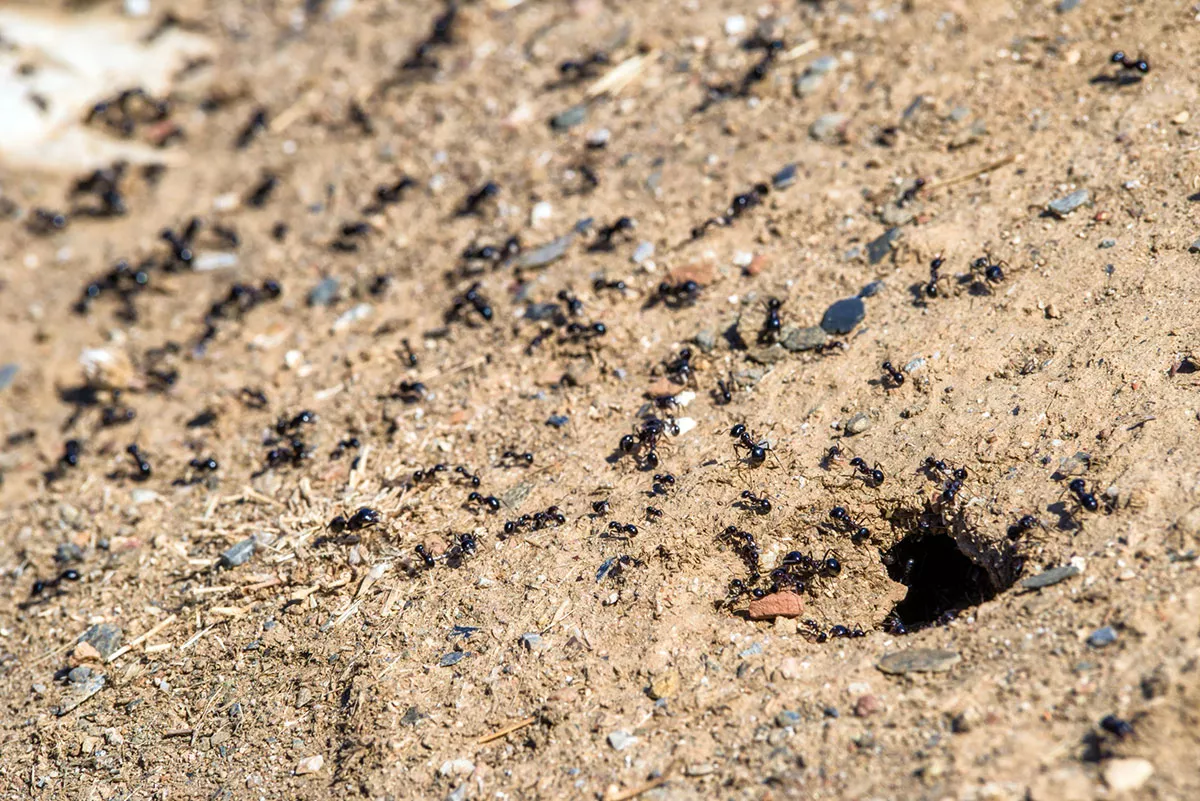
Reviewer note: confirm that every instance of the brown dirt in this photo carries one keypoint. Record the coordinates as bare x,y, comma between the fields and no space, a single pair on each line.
330,645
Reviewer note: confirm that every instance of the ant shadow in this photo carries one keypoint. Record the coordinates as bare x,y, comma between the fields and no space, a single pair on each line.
1066,516
1116,80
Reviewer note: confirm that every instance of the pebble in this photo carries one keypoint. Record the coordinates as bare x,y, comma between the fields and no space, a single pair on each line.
808,84
238,554
457,767
785,177
858,423
787,718
664,685
540,212
1194,247
557,420
896,215
216,260
881,246
1049,577
753,650
620,740
599,138
452,658
914,365
324,293
642,252
360,312
867,705
843,315
79,675
310,764
918,660
1107,243
791,668
1102,637
68,552
735,25
104,637
706,340
1061,207
566,120
532,642
548,253
8,374
777,604
802,339
823,65
827,127
1122,775
871,290
1067,5
137,8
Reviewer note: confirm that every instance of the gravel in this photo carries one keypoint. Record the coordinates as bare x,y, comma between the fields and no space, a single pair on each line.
785,177
881,246
548,253
238,554
620,740
1102,637
918,660
1063,206
843,316
104,637
8,374
828,127
643,251
566,120
858,423
324,293
1050,577
802,339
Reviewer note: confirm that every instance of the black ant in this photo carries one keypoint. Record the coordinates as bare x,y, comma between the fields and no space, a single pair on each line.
429,474
646,437
494,253
473,298
198,467
993,273
676,296
603,283
1086,499
772,325
283,425
680,368
363,517
756,452
105,184
511,458
834,454
490,501
116,415
41,585
253,398
840,514
661,482
653,513
1116,726
345,243
1141,64
475,199
143,464
935,266
574,305
294,454
253,127
581,332
409,356
350,443
465,473
600,507
872,475
261,193
910,194
738,588
574,70
605,235
746,546
628,529
44,222
892,377
724,391
737,207
1023,525
440,35
753,503
410,391
426,557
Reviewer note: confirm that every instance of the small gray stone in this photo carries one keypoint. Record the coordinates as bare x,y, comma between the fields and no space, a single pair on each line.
894,215
881,246
918,660
566,120
599,138
79,675
93,684
532,642
68,552
802,339
1105,244
546,254
808,84
238,554
620,740
753,650
706,340
412,716
536,312
1067,5
643,251
959,113
843,315
1102,637
871,290
512,497
858,424
767,356
785,177
1049,577
914,365
828,127
104,637
323,293
1194,247
787,718
452,658
8,374
822,66
1063,206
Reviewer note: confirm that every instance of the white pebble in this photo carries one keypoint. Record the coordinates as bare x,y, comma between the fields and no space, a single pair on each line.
685,424
541,211
735,25
742,258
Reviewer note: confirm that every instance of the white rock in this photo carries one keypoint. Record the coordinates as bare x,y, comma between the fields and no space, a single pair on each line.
310,764
685,424
1126,774
457,767
541,212
735,25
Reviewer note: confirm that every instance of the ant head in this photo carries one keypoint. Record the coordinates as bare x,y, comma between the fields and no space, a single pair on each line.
1117,57
839,513
1077,485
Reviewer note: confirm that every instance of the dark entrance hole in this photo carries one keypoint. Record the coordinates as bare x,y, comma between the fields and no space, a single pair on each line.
941,579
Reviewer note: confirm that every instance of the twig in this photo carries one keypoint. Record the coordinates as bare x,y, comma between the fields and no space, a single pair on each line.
177,733
136,641
634,792
509,729
195,637
995,165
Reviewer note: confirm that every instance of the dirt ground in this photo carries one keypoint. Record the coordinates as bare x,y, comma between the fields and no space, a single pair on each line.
212,633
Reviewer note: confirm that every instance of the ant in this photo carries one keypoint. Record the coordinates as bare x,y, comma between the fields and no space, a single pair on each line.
892,378
661,482
605,235
1116,726
935,266
872,475
386,195
1024,525
429,474
600,507
756,452
350,231
628,529
294,454
840,514
738,588
254,126
343,445
440,35
746,546
143,464
676,296
490,501
511,458
737,207
993,273
772,325
1119,57
475,199
465,473
574,305
647,436
910,194
653,513
472,298
573,70
409,356
834,454
753,503
493,253
410,391
724,391
1086,499
116,415
41,585
285,426
253,398
579,332
680,368
603,283
364,517
199,466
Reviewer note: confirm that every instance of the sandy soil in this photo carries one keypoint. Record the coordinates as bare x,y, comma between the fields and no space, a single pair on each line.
613,665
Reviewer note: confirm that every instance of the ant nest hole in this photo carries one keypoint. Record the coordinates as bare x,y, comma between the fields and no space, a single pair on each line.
946,563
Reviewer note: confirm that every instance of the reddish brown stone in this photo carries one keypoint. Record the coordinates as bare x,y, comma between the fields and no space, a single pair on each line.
778,604
867,705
